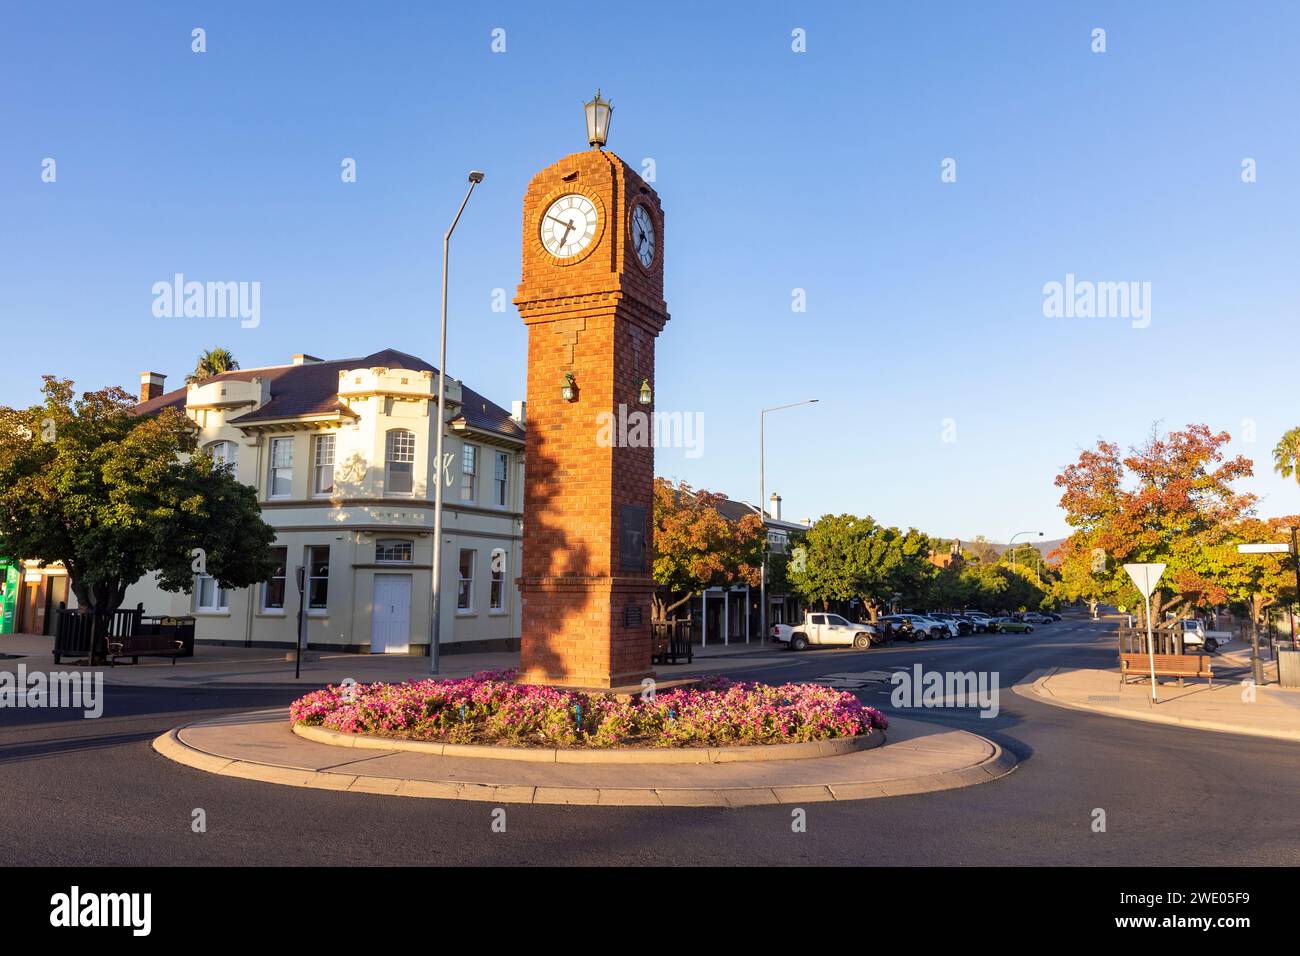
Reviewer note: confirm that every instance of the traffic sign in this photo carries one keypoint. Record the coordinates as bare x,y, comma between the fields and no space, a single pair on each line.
1145,576
1278,548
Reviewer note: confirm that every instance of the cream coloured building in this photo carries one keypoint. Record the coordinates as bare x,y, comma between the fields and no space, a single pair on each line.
340,453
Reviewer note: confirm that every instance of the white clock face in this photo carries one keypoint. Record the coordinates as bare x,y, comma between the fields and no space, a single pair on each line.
643,235
569,225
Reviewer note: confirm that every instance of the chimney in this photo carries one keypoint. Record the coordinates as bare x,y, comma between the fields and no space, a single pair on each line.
774,509
519,412
302,358
151,385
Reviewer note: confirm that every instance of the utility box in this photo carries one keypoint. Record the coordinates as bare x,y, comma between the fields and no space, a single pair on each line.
1288,666
10,575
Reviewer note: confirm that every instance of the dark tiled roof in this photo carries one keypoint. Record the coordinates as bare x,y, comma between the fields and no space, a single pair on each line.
484,415
312,389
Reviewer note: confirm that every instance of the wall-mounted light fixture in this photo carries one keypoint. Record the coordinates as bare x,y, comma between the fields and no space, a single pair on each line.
569,391
646,396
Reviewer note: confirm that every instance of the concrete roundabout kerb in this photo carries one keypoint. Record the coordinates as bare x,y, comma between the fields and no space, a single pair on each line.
915,757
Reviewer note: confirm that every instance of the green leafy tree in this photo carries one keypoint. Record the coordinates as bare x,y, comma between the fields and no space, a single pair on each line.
846,557
697,548
114,496
1286,454
212,362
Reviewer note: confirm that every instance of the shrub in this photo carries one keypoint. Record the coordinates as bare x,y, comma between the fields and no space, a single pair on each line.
489,707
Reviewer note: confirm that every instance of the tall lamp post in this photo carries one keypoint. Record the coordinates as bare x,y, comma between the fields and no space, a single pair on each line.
475,177
762,503
1011,550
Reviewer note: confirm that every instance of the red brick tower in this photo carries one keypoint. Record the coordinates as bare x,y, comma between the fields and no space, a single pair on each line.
592,297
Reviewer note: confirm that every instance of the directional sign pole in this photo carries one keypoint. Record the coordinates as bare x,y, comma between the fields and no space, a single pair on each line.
1146,577
300,575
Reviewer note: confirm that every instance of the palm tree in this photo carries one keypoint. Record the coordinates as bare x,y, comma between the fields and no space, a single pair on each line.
212,362
1286,456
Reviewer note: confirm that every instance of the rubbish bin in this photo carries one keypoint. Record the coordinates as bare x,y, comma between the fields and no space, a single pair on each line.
1288,666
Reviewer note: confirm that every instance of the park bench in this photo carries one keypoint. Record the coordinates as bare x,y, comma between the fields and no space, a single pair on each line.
1166,665
144,645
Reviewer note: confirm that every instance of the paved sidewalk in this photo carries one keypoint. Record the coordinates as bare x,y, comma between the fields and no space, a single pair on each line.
241,666
916,758
1274,711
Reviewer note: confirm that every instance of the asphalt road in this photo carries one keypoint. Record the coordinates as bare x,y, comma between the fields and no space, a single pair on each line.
93,792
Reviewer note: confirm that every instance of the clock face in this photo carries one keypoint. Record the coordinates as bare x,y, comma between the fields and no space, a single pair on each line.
644,241
569,225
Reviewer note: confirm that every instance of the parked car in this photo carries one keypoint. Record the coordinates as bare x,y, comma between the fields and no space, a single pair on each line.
1007,625
979,619
924,628
823,629
1033,617
963,626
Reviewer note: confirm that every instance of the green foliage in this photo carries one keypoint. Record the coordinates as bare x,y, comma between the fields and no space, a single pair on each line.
842,557
114,496
212,362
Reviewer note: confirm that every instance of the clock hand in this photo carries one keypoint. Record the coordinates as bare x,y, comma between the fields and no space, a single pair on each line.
568,227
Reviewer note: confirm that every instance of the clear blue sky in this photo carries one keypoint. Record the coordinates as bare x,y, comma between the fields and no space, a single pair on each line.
777,171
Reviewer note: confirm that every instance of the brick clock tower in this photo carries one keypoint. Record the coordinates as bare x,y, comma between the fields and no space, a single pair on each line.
592,297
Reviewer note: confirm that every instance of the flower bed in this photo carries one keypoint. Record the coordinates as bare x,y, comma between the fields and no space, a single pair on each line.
490,708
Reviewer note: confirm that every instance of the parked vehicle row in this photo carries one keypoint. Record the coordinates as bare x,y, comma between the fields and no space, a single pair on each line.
833,629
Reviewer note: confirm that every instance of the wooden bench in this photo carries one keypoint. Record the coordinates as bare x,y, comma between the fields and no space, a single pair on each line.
1167,665
144,645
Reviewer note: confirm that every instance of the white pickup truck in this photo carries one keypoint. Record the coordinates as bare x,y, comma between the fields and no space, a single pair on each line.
818,628
1196,635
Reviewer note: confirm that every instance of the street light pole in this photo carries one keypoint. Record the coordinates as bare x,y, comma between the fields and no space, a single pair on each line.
762,503
435,635
1295,557
1011,550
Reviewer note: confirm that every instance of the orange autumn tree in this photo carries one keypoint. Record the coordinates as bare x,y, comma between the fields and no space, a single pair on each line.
1170,500
696,548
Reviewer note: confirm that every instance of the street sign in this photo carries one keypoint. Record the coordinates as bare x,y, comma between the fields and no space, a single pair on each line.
1278,548
1145,576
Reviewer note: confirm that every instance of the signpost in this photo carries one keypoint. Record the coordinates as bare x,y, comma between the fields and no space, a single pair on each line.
300,575
1275,547
1145,578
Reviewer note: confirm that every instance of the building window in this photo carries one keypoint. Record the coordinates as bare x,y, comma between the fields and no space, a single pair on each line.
502,479
280,484
322,482
465,585
224,454
318,577
273,589
393,551
469,473
400,462
497,595
209,595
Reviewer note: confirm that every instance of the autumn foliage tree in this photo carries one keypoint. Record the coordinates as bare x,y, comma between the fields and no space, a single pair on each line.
1170,500
114,496
697,548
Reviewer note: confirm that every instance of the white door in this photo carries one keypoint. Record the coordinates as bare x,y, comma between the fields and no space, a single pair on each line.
390,616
